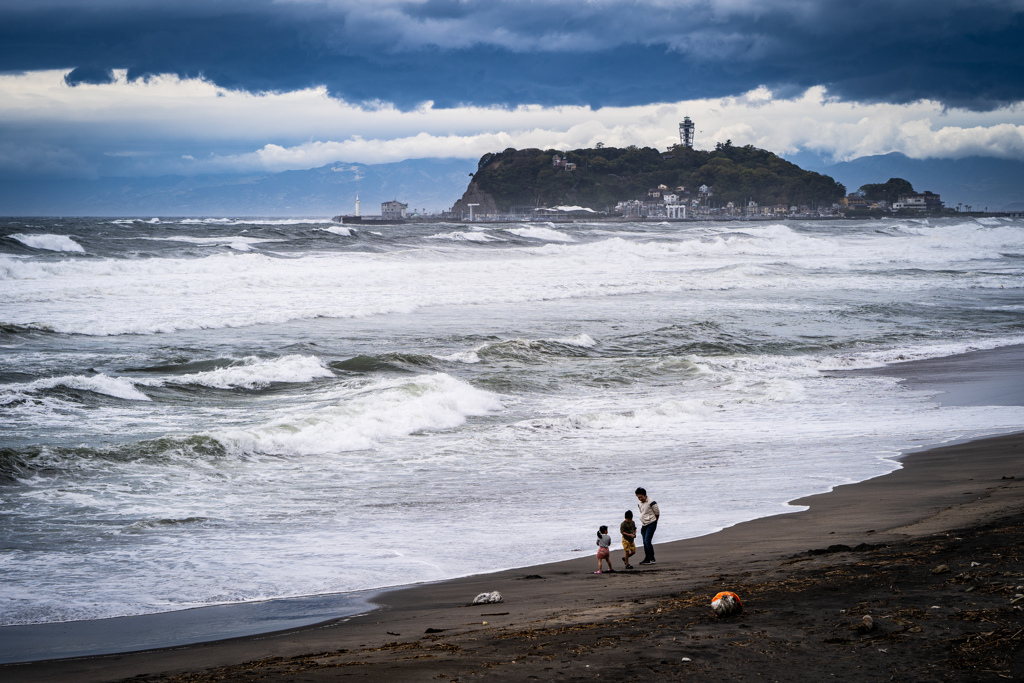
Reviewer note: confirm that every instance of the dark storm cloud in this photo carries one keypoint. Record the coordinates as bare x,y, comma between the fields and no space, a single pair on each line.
599,53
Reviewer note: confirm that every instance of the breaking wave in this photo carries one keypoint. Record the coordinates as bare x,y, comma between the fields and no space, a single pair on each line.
49,242
251,373
117,387
364,417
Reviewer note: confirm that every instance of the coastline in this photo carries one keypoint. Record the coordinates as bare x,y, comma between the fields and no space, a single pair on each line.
177,628
934,492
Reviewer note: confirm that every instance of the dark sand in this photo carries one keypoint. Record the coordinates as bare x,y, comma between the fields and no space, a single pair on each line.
933,552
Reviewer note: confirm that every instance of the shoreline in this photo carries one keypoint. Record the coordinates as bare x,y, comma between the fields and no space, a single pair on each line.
928,494
26,643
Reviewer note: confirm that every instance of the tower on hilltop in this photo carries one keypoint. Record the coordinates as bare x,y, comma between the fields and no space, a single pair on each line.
686,132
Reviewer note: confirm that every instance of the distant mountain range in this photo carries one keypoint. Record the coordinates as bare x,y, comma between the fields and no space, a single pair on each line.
983,182
435,185
432,184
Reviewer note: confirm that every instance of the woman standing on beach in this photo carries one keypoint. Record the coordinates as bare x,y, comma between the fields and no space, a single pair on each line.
604,541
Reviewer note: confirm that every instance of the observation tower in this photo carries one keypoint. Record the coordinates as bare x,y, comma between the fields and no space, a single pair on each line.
686,132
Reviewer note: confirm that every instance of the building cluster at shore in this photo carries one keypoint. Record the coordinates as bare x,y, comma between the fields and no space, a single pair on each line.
682,204
917,202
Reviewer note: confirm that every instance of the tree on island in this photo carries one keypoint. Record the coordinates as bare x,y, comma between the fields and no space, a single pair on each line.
888,191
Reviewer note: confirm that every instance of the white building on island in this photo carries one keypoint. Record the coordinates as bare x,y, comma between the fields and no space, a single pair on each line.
676,210
393,209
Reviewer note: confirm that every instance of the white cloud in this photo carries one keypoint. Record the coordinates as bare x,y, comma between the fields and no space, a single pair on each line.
191,125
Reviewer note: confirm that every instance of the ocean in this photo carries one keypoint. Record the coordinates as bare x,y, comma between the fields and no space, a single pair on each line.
205,412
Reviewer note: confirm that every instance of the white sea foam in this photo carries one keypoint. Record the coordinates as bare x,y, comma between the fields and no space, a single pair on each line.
582,340
251,373
236,242
538,233
118,387
881,357
363,417
233,291
49,242
339,230
469,357
464,236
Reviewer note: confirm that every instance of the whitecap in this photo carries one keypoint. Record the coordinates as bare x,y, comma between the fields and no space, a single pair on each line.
468,357
252,373
365,416
538,233
465,236
236,242
582,340
118,387
48,242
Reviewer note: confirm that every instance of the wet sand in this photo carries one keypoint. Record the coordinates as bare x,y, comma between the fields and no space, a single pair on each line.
933,553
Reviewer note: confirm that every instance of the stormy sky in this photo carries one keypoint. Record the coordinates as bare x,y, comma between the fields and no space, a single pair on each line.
129,87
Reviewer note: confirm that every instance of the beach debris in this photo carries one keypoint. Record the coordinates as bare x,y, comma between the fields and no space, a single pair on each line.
687,659
840,548
1017,598
488,598
865,625
392,633
726,604
435,630
941,569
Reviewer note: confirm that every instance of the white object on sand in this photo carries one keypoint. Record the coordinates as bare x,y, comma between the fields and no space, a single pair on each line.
487,598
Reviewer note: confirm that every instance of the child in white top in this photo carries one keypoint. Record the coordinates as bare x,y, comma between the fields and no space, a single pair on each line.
604,542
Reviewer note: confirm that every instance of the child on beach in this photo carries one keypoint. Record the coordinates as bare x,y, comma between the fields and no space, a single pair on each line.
628,531
604,541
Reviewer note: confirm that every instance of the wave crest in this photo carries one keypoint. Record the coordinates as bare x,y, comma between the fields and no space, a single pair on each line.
364,417
48,242
117,387
252,373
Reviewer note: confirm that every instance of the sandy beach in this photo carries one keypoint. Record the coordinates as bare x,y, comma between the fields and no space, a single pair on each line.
932,553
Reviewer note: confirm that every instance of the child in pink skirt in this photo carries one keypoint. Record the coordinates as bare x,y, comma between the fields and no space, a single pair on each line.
604,541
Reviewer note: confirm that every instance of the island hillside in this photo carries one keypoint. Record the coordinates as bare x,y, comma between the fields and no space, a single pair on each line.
518,180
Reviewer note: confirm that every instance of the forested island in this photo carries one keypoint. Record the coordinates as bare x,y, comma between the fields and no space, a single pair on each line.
516,181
